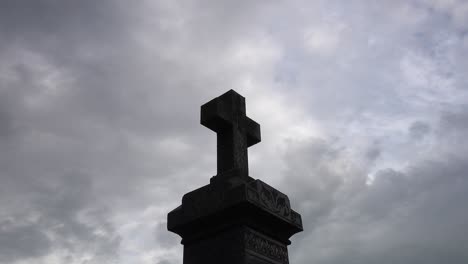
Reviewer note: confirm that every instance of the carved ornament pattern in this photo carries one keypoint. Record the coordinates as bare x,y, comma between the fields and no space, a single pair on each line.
274,201
266,247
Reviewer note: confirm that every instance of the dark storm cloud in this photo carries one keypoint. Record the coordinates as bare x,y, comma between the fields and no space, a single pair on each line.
47,202
454,121
53,212
88,123
61,28
99,132
412,215
418,130
420,211
373,152
6,122
24,241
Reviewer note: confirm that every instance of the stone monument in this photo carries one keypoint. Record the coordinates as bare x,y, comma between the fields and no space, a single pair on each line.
235,219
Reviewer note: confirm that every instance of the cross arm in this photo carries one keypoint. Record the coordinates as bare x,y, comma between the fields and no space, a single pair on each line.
253,132
214,116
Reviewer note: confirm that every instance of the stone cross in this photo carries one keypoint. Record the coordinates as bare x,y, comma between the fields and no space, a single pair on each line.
226,116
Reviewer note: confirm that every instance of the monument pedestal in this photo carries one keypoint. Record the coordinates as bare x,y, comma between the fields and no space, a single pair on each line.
237,245
239,221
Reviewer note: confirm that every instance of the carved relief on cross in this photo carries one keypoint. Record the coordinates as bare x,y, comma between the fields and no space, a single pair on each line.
226,116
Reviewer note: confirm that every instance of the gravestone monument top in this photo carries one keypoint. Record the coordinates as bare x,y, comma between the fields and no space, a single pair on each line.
235,219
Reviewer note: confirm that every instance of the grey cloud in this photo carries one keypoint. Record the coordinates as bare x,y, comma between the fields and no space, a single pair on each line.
22,241
164,238
405,217
412,215
99,122
64,214
423,215
164,262
373,152
77,153
6,123
418,130
454,121
315,178
61,27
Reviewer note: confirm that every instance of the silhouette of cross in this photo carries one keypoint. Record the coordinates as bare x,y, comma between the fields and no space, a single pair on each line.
226,116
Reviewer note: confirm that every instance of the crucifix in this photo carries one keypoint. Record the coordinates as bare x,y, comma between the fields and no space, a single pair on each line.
226,116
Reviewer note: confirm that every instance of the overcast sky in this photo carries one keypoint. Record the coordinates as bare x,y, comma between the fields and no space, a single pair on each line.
363,107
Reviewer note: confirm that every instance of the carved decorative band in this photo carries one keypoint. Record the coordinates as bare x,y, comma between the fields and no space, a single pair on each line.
272,200
266,247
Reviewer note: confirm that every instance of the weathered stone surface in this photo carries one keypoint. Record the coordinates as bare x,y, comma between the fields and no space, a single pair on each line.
263,247
235,218
236,245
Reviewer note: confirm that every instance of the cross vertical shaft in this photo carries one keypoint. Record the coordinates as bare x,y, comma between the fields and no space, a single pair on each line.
231,151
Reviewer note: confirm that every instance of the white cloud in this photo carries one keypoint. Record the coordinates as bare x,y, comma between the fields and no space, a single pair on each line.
324,39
